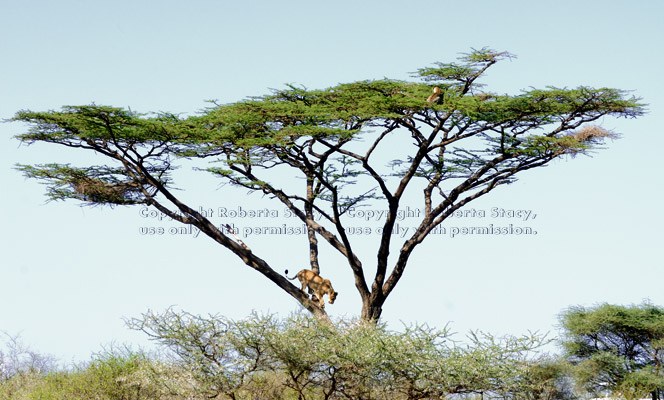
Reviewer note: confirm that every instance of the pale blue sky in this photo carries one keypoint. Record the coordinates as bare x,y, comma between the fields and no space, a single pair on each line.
69,275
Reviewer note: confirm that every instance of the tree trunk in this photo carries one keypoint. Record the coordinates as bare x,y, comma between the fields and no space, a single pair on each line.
372,308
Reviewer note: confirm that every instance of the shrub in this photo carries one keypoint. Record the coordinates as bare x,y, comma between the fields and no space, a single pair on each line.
302,357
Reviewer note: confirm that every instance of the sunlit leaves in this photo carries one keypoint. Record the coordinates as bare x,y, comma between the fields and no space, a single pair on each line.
350,358
299,127
93,122
617,347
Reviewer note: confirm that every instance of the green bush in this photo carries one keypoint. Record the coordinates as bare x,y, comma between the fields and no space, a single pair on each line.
304,358
262,357
118,374
616,348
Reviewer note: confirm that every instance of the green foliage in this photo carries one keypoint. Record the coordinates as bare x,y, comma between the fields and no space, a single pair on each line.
613,348
92,122
617,348
549,379
270,130
262,357
86,127
441,135
349,359
456,74
116,374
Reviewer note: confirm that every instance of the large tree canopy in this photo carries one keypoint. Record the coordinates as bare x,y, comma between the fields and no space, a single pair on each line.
356,143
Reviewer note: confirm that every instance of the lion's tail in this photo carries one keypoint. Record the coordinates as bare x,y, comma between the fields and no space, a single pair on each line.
286,273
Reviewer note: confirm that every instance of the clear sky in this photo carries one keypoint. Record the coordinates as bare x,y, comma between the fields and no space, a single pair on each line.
70,274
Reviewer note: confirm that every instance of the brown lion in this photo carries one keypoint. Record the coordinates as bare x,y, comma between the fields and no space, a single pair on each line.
315,282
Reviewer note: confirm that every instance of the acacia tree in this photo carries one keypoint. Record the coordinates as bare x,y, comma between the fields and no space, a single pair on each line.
456,142
617,348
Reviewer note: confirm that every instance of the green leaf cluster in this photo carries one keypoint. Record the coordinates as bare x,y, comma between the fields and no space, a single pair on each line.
617,348
350,359
113,374
457,73
298,127
280,118
76,124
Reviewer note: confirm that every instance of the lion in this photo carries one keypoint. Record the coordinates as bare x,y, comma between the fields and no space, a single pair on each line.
315,282
435,96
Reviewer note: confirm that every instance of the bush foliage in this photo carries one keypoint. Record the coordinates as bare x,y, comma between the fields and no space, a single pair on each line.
356,360
263,357
607,348
617,348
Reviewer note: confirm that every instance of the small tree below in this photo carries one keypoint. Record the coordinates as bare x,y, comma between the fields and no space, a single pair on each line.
301,357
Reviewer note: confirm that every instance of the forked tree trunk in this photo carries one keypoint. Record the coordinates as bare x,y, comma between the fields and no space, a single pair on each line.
372,308
371,313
